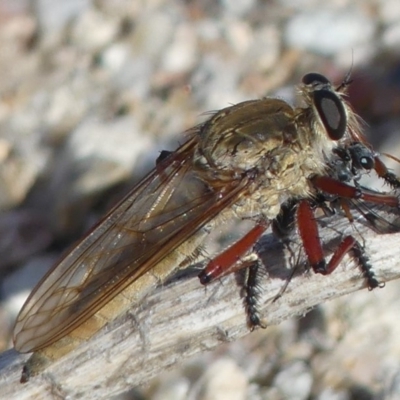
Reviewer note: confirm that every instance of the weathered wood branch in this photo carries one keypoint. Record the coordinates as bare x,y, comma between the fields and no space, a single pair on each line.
184,318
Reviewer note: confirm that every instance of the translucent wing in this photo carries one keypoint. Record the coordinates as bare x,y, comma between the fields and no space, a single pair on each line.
379,217
162,211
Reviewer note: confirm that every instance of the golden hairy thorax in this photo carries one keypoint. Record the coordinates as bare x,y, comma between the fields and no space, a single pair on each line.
271,138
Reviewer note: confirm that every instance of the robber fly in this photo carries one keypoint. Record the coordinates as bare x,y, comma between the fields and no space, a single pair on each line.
348,164
245,162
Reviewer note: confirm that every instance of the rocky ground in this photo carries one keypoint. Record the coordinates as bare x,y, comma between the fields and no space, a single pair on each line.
91,91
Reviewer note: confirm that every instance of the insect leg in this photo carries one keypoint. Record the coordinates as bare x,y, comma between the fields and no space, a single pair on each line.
332,186
350,244
383,172
251,291
284,224
223,263
233,259
308,231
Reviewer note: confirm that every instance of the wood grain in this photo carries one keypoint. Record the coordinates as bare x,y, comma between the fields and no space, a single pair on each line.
182,318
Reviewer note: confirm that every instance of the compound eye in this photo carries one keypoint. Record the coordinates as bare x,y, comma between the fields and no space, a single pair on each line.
314,79
367,162
332,113
362,156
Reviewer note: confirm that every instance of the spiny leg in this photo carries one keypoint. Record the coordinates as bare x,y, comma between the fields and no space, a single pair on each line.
333,186
308,230
350,245
252,290
224,263
235,258
384,173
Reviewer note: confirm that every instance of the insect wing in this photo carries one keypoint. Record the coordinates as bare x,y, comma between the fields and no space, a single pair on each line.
381,218
160,213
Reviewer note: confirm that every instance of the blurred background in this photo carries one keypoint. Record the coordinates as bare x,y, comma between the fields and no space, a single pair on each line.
92,90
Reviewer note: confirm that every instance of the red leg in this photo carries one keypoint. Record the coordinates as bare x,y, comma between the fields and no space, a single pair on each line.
350,244
223,263
346,209
335,187
383,172
308,230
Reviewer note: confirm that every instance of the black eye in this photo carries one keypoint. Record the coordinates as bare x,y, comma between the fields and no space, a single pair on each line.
331,112
362,156
313,78
367,162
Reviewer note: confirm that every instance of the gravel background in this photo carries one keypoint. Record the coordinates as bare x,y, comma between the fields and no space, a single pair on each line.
91,91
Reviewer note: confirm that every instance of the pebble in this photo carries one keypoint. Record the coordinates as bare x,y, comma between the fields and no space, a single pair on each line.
90,92
327,32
